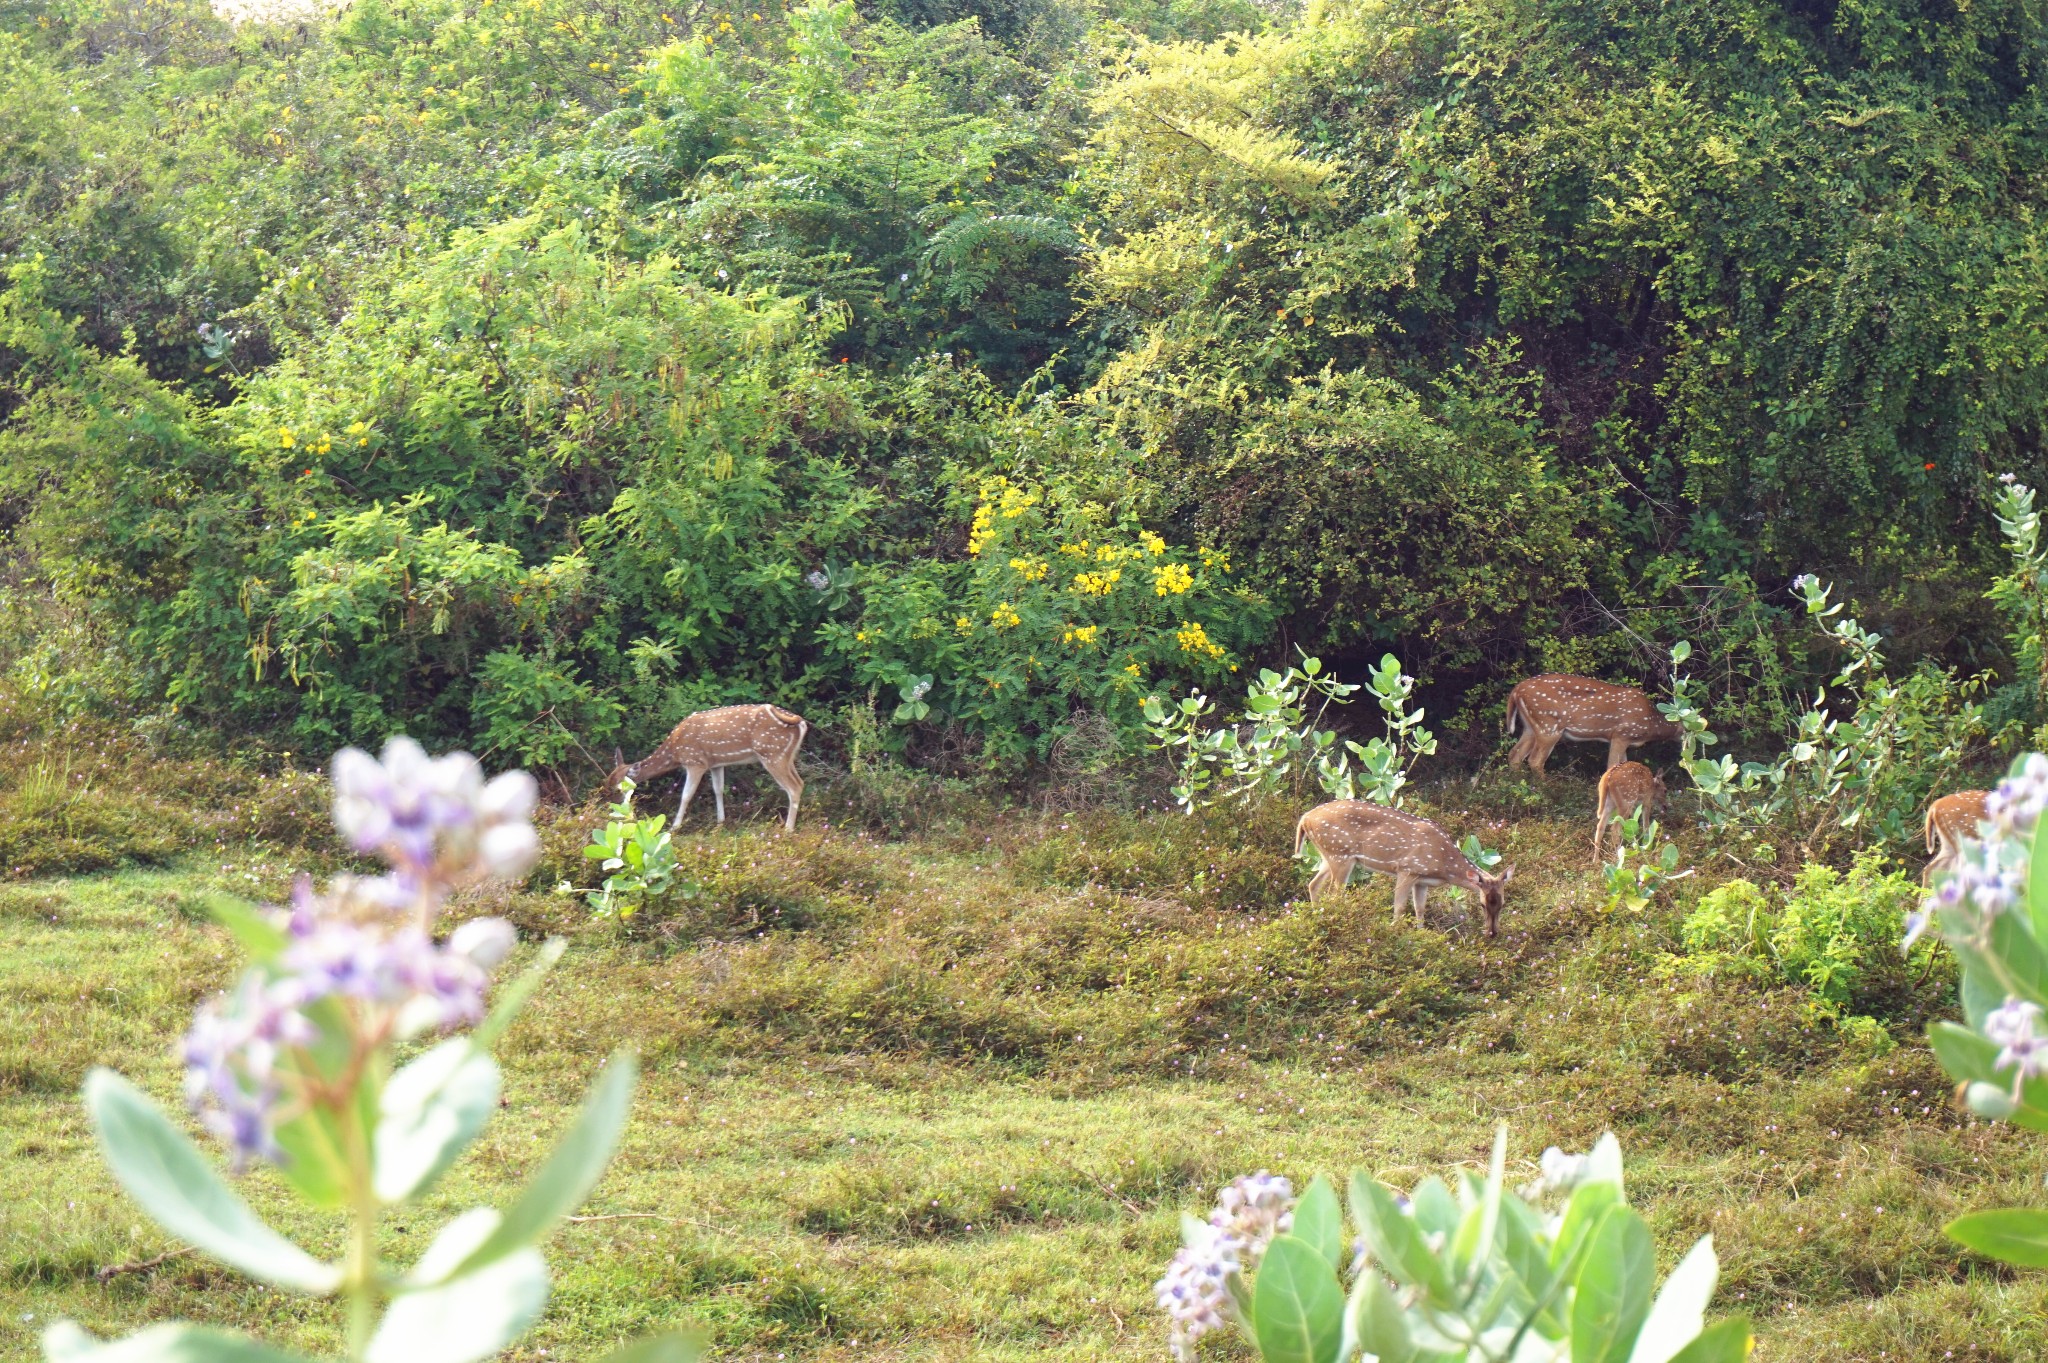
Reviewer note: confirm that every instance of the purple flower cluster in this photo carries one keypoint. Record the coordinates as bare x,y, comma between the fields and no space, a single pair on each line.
366,942
237,1062
2011,1027
435,818
1195,1293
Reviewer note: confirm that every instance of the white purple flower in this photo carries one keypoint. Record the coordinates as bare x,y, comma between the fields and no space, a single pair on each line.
435,817
1254,1209
817,580
2021,1048
2014,806
1195,1293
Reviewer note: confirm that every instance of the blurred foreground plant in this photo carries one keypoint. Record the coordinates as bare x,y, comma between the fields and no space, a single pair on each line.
1992,910
298,1064
1472,1276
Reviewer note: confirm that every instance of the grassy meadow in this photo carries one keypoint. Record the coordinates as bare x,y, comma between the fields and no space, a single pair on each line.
933,1079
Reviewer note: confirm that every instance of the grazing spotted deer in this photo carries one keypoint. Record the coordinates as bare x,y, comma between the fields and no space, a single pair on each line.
1415,852
712,740
1630,788
1949,820
1558,705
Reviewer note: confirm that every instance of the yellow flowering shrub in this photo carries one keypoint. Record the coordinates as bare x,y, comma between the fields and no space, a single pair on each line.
1028,646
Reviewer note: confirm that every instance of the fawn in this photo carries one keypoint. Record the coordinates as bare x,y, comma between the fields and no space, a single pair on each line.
1630,788
1415,852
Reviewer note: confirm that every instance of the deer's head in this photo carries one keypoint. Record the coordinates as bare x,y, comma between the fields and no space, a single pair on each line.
620,772
1492,890
1656,791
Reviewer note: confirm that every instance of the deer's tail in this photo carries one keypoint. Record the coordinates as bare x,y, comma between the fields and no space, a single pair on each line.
1928,829
1514,715
1300,833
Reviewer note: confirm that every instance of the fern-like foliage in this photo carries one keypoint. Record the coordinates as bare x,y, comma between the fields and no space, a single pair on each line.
967,253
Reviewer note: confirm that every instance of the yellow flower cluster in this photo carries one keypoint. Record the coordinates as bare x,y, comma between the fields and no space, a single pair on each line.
1003,617
1081,634
963,624
1079,550
1098,584
1194,639
997,495
1154,545
1214,558
1171,579
1031,569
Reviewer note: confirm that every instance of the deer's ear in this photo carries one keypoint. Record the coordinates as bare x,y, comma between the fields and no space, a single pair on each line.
1507,873
618,756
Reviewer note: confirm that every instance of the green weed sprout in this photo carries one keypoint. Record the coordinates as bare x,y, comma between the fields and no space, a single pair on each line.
1633,884
1992,910
639,853
1473,1276
298,1065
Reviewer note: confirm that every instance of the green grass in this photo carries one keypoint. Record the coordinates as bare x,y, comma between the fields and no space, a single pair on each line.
945,1097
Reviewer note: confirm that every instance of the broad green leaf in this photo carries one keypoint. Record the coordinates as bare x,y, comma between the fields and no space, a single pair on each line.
432,1109
676,1347
1319,1220
1603,1163
1297,1305
1680,1310
1589,1203
1436,1211
1726,1342
1965,1054
253,929
176,1343
1373,1323
166,1174
570,1172
465,1318
1473,1247
315,1157
1612,1294
513,996
1394,1240
2011,1235
1525,1257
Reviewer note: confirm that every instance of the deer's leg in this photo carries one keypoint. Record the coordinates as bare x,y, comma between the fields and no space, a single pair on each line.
1404,892
718,791
691,776
1520,752
1539,751
1600,828
792,785
1420,894
1331,874
1617,752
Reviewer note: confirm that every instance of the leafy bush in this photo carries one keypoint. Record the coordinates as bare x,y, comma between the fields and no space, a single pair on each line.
1832,935
1475,1274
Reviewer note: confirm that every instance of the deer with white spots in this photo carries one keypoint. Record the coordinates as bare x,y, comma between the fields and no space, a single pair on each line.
1949,820
1415,852
732,736
1630,788
1558,706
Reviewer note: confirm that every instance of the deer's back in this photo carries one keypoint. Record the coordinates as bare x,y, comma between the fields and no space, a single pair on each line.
1629,786
736,733
1384,839
1957,815
1560,702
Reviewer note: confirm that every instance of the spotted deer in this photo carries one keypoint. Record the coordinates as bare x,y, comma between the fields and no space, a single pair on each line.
1557,705
1630,788
1949,820
712,740
1415,852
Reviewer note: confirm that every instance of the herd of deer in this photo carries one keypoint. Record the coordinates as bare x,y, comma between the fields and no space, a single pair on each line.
1347,834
